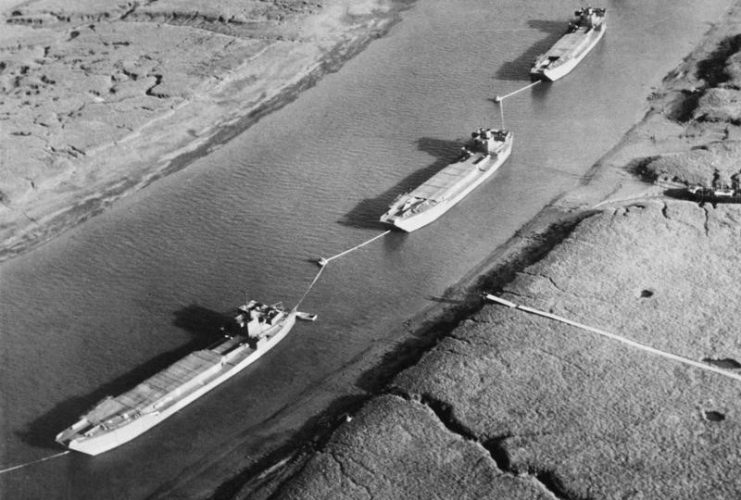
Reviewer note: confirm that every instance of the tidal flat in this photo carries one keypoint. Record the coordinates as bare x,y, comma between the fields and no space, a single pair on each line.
498,404
102,98
511,405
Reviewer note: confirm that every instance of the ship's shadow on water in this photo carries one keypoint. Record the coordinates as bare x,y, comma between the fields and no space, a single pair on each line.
519,69
366,214
203,324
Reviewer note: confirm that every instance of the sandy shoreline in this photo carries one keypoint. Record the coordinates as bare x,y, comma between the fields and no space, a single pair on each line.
54,177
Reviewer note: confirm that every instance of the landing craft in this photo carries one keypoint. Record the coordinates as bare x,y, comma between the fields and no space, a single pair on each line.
479,159
256,328
582,35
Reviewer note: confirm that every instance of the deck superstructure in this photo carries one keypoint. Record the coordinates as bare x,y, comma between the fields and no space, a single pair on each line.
479,159
581,36
723,194
255,329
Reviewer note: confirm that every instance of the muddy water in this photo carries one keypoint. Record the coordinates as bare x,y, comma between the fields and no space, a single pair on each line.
115,300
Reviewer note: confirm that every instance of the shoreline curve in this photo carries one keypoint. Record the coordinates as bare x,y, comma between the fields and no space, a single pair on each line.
42,202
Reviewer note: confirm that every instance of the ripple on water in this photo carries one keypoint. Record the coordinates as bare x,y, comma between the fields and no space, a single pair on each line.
311,180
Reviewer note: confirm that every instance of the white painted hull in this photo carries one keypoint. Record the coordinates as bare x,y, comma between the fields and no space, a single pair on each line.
105,441
553,74
416,221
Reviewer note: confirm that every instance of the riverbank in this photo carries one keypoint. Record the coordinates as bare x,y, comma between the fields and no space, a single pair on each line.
100,101
516,406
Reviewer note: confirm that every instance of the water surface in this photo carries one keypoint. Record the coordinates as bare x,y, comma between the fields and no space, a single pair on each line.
115,300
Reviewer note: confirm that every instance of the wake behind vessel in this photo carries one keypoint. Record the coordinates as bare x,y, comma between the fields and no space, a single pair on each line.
479,159
582,35
256,329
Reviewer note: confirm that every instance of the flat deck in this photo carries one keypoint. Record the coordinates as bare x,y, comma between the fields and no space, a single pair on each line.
437,187
157,386
570,42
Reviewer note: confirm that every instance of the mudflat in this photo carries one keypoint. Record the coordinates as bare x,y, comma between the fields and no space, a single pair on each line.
100,98
512,405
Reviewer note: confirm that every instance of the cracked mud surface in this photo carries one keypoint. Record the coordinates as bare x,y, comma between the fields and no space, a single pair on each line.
560,413
427,460
98,98
608,421
76,76
511,405
506,405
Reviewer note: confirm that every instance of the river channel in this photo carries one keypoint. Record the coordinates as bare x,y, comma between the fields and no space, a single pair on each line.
133,289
